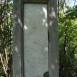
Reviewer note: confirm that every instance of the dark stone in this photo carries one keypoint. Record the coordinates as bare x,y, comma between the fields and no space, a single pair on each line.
46,74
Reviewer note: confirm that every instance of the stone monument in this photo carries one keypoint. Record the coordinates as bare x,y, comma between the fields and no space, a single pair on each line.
35,41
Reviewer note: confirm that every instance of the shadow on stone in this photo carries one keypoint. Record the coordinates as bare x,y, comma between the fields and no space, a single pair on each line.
46,74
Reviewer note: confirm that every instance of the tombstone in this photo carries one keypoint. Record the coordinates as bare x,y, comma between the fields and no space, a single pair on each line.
35,38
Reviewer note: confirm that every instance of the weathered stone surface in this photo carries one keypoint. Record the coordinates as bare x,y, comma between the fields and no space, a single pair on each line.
18,41
35,40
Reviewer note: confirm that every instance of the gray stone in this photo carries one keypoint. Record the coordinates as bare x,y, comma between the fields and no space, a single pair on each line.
35,40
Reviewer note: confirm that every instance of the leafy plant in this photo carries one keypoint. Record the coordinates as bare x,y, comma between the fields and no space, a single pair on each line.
5,39
68,42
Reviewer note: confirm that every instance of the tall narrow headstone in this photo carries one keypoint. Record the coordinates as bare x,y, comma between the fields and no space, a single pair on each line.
35,40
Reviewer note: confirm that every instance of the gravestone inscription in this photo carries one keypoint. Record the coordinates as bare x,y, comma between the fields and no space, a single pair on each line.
35,40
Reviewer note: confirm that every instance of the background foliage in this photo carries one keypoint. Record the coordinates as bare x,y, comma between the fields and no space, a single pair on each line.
5,38
67,28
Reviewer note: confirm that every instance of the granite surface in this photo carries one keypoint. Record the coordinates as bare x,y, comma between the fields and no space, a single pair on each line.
35,40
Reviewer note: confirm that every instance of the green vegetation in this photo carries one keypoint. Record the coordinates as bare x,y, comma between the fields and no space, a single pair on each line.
68,42
67,28
5,39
